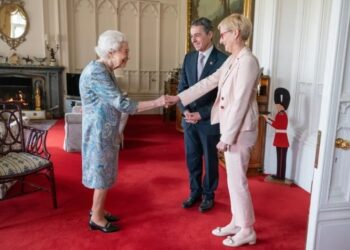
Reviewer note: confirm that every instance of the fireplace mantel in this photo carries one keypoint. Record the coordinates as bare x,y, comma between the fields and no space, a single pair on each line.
52,83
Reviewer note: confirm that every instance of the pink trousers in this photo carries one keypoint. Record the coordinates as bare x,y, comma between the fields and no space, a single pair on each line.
237,160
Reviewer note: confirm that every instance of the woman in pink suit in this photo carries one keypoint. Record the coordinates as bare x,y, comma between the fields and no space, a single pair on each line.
236,109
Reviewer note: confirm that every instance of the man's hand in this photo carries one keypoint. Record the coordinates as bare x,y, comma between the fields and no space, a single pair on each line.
192,117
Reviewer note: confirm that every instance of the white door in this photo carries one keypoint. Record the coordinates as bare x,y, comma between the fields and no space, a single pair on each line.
329,215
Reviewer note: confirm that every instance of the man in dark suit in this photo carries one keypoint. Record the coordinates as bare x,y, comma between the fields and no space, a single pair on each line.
200,136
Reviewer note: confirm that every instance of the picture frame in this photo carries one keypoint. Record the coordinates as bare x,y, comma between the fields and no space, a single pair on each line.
216,10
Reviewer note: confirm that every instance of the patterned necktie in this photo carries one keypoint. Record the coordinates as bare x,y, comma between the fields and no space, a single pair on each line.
200,65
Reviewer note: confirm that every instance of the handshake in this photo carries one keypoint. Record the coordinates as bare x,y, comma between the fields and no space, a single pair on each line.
167,100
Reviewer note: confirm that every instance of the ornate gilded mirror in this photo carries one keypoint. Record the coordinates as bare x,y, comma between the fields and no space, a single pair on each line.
14,22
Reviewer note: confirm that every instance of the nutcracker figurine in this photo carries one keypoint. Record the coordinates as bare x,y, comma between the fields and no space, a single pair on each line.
280,124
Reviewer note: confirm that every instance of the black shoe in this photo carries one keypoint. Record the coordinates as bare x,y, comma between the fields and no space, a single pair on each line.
108,228
206,205
109,217
190,202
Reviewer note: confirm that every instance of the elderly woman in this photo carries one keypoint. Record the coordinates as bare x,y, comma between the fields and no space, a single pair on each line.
103,102
236,110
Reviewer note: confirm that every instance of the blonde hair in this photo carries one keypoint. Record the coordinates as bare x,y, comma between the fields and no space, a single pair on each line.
239,22
109,41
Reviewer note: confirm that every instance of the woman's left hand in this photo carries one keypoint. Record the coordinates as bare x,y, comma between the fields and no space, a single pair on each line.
222,147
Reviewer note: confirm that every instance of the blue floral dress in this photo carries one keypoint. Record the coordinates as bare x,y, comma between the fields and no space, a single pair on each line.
103,103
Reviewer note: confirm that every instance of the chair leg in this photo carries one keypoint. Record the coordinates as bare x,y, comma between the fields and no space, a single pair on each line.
53,187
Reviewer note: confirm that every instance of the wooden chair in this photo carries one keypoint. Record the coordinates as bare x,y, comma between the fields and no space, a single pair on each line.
23,153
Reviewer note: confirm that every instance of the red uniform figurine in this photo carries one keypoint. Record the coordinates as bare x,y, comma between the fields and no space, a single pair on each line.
280,124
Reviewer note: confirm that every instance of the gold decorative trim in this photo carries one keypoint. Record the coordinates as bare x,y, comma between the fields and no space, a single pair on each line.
248,9
319,135
12,42
15,42
188,25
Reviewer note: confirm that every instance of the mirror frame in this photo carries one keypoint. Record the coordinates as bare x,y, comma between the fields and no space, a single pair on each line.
15,42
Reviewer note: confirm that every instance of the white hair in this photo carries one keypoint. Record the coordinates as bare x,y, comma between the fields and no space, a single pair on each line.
109,41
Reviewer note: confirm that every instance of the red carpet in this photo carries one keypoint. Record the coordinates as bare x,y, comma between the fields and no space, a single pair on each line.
151,185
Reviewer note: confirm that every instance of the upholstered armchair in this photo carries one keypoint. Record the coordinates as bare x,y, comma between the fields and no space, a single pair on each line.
22,153
73,130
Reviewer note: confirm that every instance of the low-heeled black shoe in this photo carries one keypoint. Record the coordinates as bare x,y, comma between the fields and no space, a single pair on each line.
206,205
108,228
190,202
109,217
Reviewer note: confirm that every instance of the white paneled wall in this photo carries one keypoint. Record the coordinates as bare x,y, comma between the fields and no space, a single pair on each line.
296,61
82,38
152,29
168,46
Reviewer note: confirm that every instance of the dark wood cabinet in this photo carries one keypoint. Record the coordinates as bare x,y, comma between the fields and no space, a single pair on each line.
179,120
170,88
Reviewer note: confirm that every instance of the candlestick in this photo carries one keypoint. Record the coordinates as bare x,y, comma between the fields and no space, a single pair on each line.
46,37
53,52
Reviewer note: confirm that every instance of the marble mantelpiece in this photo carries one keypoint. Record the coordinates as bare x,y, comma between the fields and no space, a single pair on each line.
51,77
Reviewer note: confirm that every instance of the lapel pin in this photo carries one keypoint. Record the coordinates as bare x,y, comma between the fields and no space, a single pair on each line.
211,63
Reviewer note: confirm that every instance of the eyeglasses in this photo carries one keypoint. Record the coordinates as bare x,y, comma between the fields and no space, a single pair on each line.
223,33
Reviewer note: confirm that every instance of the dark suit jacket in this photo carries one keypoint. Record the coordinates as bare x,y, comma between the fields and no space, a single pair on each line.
204,104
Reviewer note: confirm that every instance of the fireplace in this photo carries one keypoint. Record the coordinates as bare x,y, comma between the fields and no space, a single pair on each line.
38,88
20,89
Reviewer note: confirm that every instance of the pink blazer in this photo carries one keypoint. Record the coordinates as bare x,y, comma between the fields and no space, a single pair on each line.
235,107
